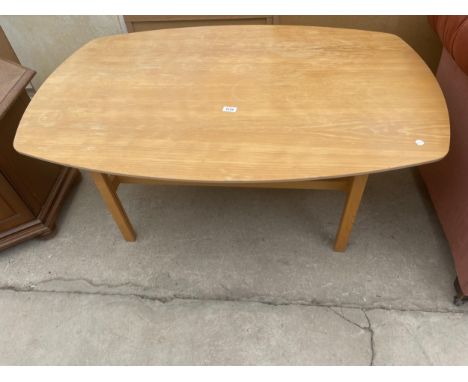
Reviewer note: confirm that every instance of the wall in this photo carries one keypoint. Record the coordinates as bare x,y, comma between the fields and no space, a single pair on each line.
415,30
44,42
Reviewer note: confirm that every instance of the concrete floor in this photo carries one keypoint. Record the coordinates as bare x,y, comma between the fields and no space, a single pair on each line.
236,276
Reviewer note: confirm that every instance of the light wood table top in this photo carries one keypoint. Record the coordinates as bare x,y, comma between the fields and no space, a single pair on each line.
311,103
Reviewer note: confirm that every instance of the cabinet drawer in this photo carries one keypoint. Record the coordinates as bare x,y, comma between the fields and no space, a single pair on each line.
13,211
146,23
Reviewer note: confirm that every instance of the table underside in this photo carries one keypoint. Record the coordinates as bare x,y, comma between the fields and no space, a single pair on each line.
353,186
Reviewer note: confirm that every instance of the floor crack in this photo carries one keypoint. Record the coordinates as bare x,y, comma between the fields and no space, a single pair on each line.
372,339
367,328
88,281
144,292
347,319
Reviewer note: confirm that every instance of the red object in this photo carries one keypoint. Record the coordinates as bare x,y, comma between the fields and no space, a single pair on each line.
447,180
453,32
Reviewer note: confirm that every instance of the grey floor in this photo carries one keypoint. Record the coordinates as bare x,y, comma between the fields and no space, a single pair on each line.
236,276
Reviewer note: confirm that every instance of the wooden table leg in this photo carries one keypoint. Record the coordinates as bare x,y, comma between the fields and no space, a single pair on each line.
356,189
114,205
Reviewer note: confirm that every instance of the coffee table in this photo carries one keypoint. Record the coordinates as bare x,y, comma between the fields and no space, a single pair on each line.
239,106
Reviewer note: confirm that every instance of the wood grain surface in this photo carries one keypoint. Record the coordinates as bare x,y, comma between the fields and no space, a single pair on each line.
311,103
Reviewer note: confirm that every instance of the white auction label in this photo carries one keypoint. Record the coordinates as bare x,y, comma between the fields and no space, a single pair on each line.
230,109
419,142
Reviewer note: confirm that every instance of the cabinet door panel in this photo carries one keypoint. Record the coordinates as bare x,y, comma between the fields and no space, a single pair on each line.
12,209
31,178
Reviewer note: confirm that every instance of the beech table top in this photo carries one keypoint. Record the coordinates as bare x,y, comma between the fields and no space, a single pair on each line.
239,104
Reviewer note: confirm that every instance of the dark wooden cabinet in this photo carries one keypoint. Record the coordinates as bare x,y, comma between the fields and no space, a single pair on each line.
31,191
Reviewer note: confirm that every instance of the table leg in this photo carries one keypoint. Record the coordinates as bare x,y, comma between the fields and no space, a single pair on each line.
114,205
356,189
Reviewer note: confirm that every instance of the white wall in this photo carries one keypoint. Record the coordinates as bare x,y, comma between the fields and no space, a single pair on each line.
44,42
